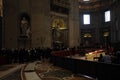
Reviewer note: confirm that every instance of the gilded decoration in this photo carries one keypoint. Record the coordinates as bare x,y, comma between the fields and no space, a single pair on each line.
58,23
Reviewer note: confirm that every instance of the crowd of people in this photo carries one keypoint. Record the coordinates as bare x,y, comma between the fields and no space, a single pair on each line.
24,55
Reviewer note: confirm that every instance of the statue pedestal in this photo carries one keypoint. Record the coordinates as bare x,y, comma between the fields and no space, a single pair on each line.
23,36
24,42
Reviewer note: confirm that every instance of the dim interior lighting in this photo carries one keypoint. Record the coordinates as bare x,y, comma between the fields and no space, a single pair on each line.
90,53
86,0
106,34
87,35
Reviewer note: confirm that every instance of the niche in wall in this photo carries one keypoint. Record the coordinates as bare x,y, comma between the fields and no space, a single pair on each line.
24,39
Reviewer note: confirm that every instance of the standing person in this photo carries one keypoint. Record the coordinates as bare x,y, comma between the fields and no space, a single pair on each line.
107,58
100,59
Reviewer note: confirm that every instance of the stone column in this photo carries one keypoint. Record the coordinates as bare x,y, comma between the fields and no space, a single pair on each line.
97,26
114,27
74,28
40,23
10,23
118,22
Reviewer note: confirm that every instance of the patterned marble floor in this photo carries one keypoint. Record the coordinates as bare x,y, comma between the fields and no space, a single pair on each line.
4,68
47,71
9,69
13,76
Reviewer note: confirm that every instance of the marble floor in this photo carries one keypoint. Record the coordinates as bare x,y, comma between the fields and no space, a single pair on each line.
43,70
47,71
13,76
9,69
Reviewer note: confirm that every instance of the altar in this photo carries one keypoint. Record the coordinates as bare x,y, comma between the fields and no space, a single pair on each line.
90,56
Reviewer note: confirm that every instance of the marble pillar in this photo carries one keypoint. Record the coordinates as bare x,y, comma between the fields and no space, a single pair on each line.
74,28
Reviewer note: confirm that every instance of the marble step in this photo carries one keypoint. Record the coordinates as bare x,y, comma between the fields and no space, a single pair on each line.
31,76
30,67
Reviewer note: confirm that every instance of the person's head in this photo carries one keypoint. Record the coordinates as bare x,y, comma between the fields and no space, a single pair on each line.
101,55
106,53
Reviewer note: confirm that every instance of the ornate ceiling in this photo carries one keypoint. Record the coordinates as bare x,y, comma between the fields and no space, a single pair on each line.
95,4
87,5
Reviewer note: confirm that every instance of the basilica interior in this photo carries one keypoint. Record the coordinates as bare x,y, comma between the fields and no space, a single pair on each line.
59,22
70,34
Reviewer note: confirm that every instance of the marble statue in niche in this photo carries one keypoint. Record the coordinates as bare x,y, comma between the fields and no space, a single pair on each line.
24,27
